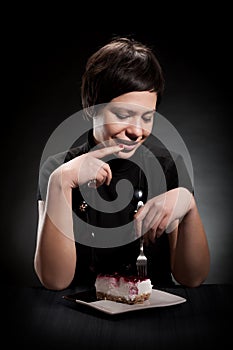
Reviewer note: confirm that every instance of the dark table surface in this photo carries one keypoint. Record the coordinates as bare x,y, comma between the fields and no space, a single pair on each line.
36,318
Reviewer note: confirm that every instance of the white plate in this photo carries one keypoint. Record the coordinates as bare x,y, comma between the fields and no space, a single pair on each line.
158,298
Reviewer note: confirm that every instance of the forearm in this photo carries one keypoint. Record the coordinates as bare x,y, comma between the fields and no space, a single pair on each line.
191,260
55,257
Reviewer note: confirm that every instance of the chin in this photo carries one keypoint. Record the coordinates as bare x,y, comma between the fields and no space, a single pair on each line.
125,155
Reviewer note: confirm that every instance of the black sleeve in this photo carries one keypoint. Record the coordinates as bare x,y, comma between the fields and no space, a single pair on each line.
176,172
46,169
184,173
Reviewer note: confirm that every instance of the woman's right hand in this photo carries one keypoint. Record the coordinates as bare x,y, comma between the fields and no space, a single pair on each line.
87,167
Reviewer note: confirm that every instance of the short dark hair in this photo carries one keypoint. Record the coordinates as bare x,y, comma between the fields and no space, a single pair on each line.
121,66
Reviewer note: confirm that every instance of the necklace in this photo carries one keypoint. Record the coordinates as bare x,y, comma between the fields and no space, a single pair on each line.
137,195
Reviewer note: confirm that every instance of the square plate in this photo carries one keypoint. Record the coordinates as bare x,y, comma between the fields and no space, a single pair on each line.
158,298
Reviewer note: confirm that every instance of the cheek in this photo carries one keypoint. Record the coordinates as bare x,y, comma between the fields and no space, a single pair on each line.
147,132
112,129
147,128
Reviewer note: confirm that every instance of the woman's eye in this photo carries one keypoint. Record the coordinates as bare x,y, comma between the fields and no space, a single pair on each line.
147,119
121,116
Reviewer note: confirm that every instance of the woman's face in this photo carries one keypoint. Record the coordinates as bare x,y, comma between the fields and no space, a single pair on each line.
127,119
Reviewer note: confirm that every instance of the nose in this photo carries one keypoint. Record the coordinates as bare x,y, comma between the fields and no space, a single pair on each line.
134,131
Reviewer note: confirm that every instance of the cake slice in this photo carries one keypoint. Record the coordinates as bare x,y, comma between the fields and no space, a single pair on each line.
124,289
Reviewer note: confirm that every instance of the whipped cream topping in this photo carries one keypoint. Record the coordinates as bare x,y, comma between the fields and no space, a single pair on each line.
120,286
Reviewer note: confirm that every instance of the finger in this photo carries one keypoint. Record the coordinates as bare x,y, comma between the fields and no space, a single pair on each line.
150,220
151,235
100,180
102,177
92,183
162,224
158,228
105,151
146,239
104,173
172,226
108,173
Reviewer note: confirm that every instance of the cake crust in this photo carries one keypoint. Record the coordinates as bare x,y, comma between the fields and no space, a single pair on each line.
138,299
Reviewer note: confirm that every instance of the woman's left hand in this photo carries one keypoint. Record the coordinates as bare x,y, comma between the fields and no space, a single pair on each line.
163,213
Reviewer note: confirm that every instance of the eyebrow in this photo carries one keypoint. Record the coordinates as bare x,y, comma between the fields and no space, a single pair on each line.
130,111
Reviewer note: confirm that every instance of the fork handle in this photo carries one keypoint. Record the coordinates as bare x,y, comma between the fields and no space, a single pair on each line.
139,205
141,244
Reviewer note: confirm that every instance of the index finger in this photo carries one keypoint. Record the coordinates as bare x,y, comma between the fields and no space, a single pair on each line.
105,151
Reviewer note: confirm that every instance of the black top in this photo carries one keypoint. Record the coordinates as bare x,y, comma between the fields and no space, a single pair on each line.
104,240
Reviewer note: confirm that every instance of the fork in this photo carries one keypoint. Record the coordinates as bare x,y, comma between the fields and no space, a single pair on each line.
141,261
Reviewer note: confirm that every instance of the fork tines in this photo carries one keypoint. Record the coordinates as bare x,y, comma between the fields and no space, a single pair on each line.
141,262
142,269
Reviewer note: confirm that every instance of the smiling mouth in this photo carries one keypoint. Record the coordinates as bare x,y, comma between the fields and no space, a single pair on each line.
128,145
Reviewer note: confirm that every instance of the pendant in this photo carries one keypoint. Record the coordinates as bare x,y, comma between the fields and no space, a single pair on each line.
83,206
138,194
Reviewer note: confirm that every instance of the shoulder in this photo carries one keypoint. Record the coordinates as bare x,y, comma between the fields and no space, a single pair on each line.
52,162
155,149
177,170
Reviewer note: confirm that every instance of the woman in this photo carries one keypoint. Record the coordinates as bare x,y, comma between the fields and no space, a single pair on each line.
121,90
